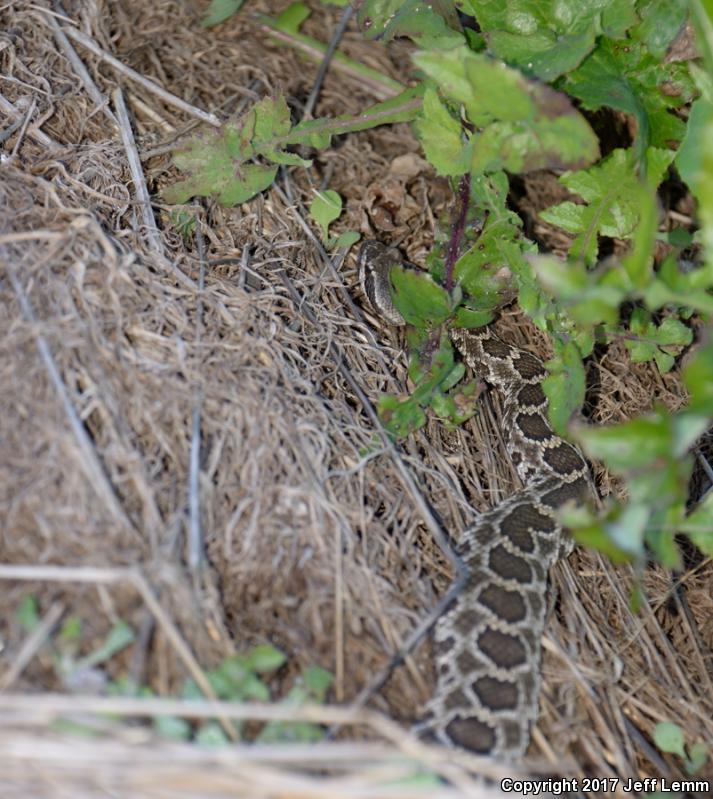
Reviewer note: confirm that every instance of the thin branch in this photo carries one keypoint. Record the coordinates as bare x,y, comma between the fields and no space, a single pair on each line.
137,77
327,60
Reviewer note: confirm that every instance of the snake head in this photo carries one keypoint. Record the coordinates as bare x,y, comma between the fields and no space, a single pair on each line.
375,262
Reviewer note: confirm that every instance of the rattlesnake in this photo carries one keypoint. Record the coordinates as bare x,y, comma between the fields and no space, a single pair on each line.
488,642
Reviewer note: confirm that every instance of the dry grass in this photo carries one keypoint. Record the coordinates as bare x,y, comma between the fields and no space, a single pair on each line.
118,369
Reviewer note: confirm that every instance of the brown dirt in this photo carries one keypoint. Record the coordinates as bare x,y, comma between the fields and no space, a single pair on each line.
110,350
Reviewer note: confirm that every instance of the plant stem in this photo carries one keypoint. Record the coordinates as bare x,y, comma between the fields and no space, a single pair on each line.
457,230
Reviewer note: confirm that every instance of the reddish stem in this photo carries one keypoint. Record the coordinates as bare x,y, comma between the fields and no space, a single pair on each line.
457,231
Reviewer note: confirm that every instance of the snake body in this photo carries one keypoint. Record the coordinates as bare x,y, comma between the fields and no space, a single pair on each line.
488,642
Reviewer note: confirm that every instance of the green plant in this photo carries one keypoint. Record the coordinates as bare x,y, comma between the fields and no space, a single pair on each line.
238,678
669,738
511,93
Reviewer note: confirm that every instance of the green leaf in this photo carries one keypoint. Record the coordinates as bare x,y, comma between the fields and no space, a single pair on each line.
588,298
220,10
661,21
172,727
71,630
669,738
265,658
432,27
317,681
630,445
216,160
612,192
656,342
522,125
548,38
565,385
400,416
27,614
318,132
420,300
347,239
621,543
120,636
624,76
442,137
324,209
698,526
698,378
211,734
697,757
292,18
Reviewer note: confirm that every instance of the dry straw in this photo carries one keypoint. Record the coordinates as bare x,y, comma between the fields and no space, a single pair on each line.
163,401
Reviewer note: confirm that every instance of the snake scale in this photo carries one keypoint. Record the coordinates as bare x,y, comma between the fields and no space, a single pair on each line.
487,644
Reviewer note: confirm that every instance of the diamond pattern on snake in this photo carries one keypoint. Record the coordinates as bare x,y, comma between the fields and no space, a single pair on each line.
488,642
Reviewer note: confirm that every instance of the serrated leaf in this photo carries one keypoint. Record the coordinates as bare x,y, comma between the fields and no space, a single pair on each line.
669,738
325,208
441,136
624,76
487,268
420,300
612,192
522,125
220,10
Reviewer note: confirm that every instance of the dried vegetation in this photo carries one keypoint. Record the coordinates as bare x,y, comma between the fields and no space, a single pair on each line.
114,359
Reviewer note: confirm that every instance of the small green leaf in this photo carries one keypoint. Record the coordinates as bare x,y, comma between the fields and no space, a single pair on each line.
71,630
347,239
669,738
211,734
172,727
317,681
120,636
325,208
220,10
27,614
265,658
698,526
400,417
697,757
